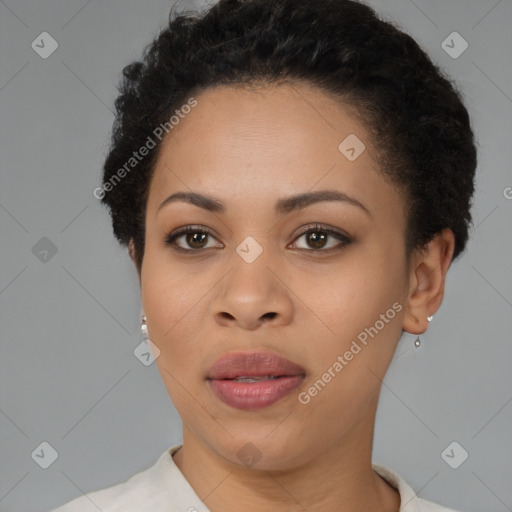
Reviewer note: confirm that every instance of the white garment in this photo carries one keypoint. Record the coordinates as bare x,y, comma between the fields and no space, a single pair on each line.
162,487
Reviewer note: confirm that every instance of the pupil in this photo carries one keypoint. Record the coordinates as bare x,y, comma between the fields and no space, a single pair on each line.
314,237
194,236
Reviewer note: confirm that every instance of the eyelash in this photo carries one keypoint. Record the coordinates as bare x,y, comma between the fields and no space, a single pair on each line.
171,238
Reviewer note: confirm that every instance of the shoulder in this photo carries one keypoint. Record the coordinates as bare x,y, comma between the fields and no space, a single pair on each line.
429,506
153,489
410,502
126,494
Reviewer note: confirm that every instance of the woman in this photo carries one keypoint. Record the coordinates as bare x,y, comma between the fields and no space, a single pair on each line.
292,180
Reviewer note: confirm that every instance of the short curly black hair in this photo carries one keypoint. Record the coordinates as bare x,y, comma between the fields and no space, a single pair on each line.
419,125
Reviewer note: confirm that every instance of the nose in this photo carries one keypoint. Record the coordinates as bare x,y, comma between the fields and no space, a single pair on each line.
252,295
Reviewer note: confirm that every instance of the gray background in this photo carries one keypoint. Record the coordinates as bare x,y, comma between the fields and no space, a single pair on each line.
70,324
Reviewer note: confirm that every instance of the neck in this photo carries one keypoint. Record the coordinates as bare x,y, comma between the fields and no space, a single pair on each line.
338,478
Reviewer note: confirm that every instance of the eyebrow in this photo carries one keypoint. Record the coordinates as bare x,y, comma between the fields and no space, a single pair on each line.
282,206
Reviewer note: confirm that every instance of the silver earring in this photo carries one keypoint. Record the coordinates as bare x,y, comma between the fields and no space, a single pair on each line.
144,327
429,318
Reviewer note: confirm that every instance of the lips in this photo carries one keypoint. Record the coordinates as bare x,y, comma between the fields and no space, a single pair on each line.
253,380
253,365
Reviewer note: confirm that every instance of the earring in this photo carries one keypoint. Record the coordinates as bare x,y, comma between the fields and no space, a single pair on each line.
144,327
417,341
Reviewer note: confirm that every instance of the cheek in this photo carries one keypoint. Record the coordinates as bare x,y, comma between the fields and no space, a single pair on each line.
170,301
173,305
361,306
354,298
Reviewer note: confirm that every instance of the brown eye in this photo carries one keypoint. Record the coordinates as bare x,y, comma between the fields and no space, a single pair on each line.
196,240
192,239
317,237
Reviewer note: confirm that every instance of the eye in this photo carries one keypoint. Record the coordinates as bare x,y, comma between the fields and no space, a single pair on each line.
194,239
317,236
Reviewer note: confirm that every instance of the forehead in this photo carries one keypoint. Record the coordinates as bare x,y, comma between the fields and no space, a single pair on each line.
267,142
300,115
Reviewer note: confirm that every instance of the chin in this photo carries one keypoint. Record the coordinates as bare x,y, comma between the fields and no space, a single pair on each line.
262,452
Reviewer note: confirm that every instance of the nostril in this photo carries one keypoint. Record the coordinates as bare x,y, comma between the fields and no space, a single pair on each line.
269,316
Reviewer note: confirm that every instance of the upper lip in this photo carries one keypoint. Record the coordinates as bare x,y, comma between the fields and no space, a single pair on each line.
253,364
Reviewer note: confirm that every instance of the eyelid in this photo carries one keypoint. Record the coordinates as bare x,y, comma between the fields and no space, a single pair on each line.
336,233
170,238
341,236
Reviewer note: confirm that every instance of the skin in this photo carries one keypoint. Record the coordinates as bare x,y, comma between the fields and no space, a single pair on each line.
250,148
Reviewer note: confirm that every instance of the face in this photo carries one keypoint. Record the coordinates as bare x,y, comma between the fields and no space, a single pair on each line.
320,283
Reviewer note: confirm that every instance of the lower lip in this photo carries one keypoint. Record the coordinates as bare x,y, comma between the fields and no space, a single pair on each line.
254,395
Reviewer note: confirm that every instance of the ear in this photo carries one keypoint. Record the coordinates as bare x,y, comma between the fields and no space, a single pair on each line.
131,249
426,281
131,252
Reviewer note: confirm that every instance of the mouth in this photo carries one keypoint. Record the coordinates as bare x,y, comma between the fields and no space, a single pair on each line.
253,380
256,379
